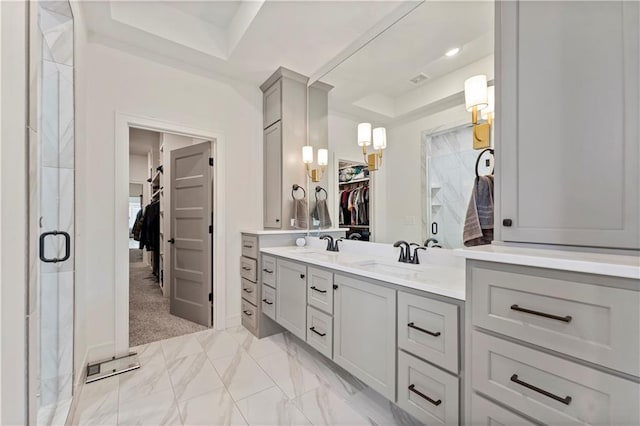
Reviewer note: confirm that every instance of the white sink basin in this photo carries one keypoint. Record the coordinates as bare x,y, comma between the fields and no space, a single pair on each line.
403,271
319,255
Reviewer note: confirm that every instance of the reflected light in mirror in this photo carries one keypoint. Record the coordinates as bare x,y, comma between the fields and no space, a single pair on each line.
379,138
323,157
364,134
475,92
307,154
491,103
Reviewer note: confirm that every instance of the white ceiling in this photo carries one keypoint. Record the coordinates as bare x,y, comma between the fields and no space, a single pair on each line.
374,83
142,141
245,40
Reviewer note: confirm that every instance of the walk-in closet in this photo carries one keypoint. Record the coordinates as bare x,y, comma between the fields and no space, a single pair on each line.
354,199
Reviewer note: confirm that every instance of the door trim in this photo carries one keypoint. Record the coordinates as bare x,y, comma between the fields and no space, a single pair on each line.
123,122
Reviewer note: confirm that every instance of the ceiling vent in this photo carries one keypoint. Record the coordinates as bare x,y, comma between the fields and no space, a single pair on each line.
419,79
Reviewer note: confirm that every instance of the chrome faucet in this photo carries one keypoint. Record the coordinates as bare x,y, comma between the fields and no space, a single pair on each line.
415,259
331,244
429,241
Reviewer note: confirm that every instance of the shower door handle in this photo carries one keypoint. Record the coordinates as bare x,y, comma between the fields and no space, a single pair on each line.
67,246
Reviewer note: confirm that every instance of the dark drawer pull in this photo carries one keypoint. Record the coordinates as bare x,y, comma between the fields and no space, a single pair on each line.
247,246
267,302
566,400
317,289
268,271
302,276
244,268
246,290
248,313
413,389
434,334
568,318
67,247
317,332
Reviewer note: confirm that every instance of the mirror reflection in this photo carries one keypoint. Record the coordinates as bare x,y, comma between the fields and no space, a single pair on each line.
402,163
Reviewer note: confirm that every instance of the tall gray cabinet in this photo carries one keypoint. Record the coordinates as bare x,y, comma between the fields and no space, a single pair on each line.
568,123
285,133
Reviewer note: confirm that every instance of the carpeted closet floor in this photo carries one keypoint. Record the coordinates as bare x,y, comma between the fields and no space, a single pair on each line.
149,317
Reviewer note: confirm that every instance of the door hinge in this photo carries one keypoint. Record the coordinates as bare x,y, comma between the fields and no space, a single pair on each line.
211,161
210,297
211,229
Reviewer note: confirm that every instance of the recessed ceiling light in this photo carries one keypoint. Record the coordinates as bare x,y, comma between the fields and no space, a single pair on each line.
452,52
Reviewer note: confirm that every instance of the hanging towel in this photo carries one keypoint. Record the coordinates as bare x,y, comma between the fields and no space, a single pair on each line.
478,225
321,213
300,213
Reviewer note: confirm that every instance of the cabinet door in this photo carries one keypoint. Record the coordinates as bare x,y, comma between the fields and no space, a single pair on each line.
291,297
568,117
273,177
365,332
273,104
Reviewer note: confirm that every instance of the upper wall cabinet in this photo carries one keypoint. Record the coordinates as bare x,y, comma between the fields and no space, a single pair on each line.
285,133
568,123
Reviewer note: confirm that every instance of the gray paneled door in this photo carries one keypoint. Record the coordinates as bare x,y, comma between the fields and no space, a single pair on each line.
191,248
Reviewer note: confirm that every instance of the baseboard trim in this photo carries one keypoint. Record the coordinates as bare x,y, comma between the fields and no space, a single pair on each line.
233,321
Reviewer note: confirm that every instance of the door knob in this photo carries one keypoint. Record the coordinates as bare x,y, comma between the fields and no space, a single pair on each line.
507,222
171,240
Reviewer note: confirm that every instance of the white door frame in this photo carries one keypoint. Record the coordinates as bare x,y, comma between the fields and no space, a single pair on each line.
123,123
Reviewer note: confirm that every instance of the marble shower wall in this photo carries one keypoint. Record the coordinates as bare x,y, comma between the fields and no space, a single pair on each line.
451,172
55,203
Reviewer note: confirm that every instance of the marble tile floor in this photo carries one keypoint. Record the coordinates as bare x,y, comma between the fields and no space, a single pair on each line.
231,378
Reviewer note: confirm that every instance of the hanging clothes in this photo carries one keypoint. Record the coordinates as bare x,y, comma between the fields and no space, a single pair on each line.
137,226
150,233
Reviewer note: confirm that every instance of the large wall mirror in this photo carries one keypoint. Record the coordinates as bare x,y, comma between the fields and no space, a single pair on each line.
409,80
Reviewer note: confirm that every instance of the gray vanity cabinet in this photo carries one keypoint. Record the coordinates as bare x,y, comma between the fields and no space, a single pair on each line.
285,133
291,297
365,332
568,142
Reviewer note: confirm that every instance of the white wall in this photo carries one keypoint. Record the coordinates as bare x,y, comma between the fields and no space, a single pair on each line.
138,168
13,213
134,85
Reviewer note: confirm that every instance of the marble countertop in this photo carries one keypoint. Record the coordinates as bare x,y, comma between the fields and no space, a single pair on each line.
290,231
446,279
591,263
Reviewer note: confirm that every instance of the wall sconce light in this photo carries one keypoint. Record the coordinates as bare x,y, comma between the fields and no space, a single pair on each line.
307,159
379,138
479,98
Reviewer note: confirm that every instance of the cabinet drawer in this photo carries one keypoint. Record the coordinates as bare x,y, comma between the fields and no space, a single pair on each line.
272,104
269,271
429,329
426,392
250,291
487,413
320,331
249,314
250,246
269,302
248,268
320,290
592,322
551,389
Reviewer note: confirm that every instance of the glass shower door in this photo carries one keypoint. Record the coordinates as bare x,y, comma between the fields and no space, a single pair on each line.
51,206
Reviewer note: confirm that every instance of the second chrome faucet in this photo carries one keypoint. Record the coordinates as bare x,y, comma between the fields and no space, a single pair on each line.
331,244
405,252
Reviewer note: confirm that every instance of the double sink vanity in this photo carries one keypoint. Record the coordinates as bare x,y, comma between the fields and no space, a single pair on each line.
459,341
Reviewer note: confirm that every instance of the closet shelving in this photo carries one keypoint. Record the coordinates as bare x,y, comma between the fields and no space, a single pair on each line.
354,181
360,227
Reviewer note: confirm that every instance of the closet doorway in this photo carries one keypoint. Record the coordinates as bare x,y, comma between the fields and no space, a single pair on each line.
170,239
355,199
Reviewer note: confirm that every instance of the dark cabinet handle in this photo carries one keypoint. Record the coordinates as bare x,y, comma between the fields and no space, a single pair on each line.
317,332
566,400
244,268
413,389
171,240
268,271
247,246
507,222
246,290
415,327
267,302
277,220
67,247
314,288
568,318
247,313
302,276
434,228
335,286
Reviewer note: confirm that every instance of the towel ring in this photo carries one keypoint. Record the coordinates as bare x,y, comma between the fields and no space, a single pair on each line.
294,188
321,189
491,151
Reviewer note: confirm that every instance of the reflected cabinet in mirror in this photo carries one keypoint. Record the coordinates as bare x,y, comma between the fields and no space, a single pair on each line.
402,163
